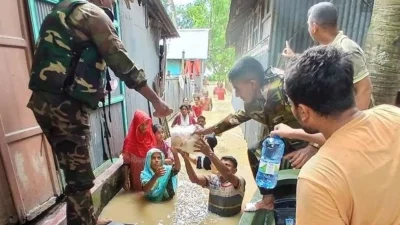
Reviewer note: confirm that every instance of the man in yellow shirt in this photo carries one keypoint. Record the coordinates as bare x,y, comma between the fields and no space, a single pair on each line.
323,28
354,177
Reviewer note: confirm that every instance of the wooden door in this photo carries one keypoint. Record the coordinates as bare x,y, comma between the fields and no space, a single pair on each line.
27,158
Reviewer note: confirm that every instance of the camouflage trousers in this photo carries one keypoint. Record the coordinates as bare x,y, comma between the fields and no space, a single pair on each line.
65,122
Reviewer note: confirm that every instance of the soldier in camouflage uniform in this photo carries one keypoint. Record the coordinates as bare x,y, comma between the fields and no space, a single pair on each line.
68,78
264,102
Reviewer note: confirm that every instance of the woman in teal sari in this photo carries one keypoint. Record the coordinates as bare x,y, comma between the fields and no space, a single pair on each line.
159,181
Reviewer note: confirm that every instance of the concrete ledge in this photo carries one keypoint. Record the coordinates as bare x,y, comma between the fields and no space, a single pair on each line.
106,186
265,217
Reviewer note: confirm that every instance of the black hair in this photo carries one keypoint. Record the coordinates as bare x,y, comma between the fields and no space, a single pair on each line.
324,14
184,106
247,67
157,127
322,79
201,117
231,159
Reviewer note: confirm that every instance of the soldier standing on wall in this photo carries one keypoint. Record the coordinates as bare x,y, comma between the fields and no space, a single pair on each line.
265,103
69,77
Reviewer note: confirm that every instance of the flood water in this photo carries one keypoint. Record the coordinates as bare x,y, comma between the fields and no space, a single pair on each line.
189,206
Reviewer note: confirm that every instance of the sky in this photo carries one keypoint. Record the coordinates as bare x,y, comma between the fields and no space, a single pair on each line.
182,2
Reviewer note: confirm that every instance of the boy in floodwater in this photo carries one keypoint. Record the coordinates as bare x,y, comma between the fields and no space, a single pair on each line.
206,101
226,188
159,181
161,144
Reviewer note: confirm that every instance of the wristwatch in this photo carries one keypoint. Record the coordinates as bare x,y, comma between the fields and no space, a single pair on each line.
315,145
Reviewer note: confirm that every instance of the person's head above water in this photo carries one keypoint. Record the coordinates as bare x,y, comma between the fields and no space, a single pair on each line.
319,85
322,22
158,131
157,160
201,120
230,162
184,109
247,77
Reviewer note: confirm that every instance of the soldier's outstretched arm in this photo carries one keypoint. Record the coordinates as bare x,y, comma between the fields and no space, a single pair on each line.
229,122
98,27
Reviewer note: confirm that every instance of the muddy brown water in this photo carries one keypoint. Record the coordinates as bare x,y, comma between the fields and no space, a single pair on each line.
189,207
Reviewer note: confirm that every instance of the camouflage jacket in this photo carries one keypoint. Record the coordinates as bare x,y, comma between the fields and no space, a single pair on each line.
77,43
270,110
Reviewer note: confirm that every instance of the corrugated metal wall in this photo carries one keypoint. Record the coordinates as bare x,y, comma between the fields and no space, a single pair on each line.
290,16
117,134
174,94
142,47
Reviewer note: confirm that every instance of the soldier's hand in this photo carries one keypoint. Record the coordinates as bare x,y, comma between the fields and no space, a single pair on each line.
287,51
162,109
202,131
299,157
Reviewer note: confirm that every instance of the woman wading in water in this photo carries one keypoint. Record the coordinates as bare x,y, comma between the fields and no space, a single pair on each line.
159,181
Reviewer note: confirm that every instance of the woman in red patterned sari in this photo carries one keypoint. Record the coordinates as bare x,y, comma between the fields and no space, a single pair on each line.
138,142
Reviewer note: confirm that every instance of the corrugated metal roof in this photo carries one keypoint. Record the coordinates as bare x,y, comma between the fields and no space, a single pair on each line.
290,16
193,41
238,15
158,11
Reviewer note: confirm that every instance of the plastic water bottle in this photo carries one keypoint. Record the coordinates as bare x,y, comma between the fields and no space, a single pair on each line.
271,156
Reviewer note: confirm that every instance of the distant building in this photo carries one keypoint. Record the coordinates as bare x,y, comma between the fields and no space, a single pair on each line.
193,46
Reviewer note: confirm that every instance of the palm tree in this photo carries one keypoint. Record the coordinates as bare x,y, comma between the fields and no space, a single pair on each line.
382,50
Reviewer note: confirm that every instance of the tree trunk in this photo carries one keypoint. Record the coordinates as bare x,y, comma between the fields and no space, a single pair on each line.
382,50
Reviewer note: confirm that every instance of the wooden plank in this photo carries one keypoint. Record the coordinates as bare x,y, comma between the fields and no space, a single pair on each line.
12,42
22,134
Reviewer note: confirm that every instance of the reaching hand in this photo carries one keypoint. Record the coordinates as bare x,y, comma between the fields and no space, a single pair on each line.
287,51
298,158
159,172
202,146
184,154
283,131
162,109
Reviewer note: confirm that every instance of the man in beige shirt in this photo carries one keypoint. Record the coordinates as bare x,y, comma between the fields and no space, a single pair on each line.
323,28
354,177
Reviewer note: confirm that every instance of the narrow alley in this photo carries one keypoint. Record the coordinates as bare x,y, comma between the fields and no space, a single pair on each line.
189,207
